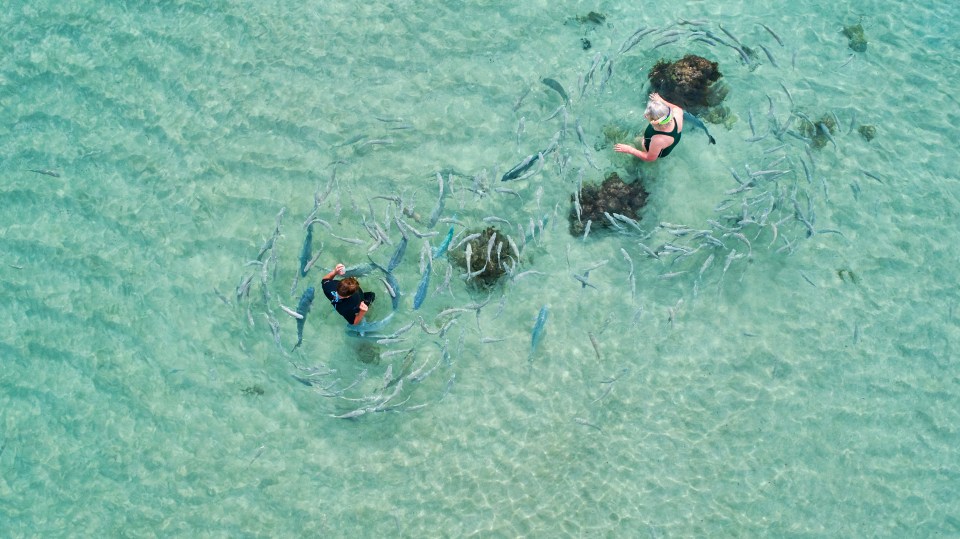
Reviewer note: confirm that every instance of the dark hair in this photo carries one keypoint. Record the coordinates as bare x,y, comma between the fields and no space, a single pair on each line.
348,286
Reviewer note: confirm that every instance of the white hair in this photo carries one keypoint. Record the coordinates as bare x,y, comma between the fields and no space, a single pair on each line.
656,110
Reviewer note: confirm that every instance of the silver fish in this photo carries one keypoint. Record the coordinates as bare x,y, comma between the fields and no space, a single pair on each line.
826,132
469,257
389,287
374,142
537,334
521,275
583,281
495,219
438,209
359,270
613,222
580,133
520,167
446,281
397,255
423,286
770,57
348,240
506,191
523,96
650,252
634,39
467,239
775,36
706,264
698,124
733,37
593,341
597,58
350,415
45,172
584,422
291,312
607,75
665,42
557,87
871,175
626,257
540,162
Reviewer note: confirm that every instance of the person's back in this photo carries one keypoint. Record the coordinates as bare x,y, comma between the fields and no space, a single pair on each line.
662,133
674,133
346,296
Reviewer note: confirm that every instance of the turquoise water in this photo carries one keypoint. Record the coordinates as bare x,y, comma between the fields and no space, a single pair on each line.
807,390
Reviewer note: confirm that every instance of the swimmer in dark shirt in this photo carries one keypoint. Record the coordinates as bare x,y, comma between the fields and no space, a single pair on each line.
663,133
346,296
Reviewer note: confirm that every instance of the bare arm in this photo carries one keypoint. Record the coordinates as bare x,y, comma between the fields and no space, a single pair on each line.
339,269
657,144
664,101
639,154
361,314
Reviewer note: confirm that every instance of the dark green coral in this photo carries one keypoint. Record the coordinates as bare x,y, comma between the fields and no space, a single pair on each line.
858,40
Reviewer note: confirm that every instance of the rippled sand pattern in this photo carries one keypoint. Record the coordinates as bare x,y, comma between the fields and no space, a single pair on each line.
797,384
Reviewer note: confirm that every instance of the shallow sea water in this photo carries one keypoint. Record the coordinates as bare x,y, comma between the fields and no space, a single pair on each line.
804,391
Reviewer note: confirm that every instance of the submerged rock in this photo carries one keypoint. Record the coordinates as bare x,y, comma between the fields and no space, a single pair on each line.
588,21
253,391
858,40
689,83
612,196
868,132
718,115
491,268
592,18
814,131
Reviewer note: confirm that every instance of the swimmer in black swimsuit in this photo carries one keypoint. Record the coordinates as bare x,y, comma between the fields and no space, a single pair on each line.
663,133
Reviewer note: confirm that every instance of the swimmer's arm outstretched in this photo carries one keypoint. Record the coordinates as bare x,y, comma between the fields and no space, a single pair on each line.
656,145
664,101
339,269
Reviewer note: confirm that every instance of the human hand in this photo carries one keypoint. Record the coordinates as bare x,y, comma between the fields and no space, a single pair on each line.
624,148
340,269
655,97
363,306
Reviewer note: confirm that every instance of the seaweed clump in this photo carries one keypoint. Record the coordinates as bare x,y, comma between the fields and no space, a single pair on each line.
689,82
858,40
253,391
850,275
613,134
613,196
368,352
591,18
819,132
488,257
